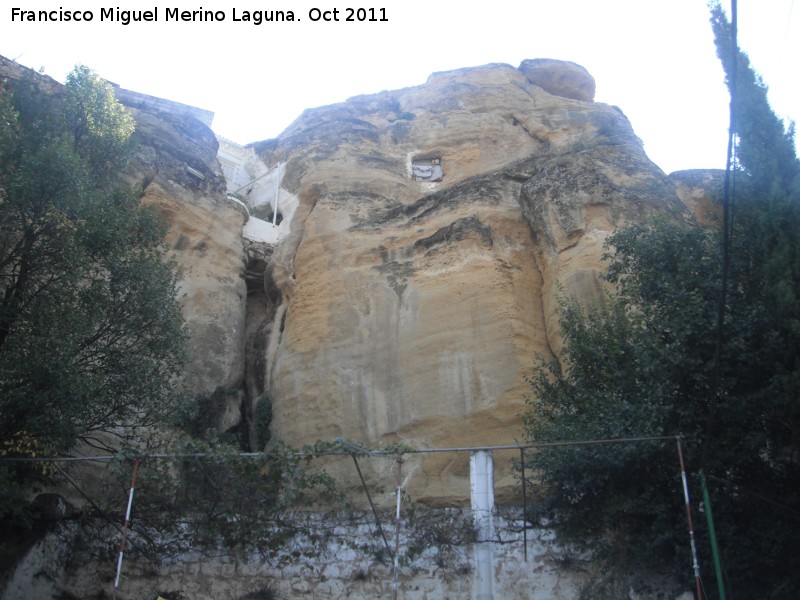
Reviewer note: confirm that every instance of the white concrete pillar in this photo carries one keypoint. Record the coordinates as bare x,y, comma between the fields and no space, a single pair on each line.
481,479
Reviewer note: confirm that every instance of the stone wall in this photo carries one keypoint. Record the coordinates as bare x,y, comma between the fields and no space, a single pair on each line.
338,556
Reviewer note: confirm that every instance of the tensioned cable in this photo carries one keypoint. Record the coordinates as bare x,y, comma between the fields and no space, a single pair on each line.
304,454
396,454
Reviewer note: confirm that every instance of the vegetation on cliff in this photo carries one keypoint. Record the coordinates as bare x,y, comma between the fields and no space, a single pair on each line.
653,361
91,338
92,349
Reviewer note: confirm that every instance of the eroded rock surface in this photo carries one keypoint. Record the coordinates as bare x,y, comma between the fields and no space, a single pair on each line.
411,309
430,232
177,170
427,235
560,78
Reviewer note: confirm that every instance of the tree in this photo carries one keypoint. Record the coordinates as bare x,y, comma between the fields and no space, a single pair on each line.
766,148
647,363
629,369
223,501
91,338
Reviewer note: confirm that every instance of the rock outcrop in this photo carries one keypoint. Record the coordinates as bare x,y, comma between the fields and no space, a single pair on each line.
436,227
427,234
560,78
701,190
177,170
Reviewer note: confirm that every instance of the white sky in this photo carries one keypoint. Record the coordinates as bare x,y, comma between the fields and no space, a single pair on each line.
655,60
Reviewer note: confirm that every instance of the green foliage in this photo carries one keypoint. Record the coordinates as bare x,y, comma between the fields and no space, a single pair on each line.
263,419
648,363
607,498
766,149
643,364
99,126
91,338
221,502
447,534
203,416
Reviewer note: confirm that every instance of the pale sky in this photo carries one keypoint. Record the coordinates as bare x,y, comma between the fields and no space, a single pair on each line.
655,60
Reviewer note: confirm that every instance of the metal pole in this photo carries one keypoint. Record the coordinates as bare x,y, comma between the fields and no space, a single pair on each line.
695,564
712,533
524,505
125,527
277,194
252,181
397,527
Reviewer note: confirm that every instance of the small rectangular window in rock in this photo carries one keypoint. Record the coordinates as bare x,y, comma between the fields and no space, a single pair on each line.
429,170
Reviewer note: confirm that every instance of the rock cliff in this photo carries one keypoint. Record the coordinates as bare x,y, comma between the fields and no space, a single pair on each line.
177,170
436,227
421,240
427,233
175,167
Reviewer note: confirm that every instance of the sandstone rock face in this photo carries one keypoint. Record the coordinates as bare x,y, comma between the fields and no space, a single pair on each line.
560,78
702,191
427,234
434,229
177,169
